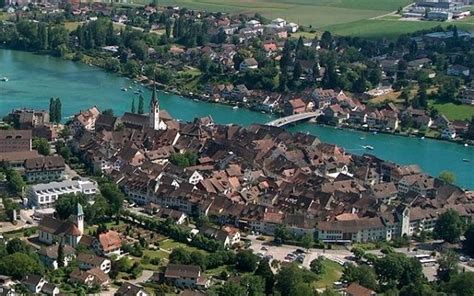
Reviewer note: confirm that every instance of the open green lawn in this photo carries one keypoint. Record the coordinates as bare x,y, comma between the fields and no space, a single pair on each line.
389,28
170,244
318,13
332,273
454,111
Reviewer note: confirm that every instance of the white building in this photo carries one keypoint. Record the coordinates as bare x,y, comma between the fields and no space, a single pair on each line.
45,195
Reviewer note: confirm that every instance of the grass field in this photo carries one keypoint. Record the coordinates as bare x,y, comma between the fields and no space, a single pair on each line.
453,111
389,28
341,17
317,13
332,273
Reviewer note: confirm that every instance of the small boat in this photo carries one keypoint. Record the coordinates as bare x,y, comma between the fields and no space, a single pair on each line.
166,92
374,132
361,138
465,160
422,138
124,89
130,87
235,107
196,100
466,145
368,147
5,79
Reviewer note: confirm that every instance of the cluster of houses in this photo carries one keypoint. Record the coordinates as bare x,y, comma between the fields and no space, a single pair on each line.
261,177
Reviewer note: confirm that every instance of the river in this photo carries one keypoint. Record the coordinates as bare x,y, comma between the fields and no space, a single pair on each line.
33,79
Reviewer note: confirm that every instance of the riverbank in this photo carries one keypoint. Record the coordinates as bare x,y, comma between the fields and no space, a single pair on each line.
36,78
99,62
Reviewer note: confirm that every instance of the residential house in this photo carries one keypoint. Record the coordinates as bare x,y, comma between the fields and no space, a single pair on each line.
354,289
185,276
15,140
89,278
466,96
34,283
295,106
89,261
129,289
249,63
47,168
335,114
85,120
49,255
217,234
233,234
177,216
458,70
108,243
29,118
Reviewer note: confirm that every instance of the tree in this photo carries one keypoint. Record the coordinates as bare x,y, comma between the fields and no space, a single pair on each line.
291,277
246,261
254,285
362,274
281,233
140,105
16,245
398,268
264,271
307,241
448,265
15,181
469,241
183,160
326,40
133,109
447,176
461,284
180,255
114,197
19,265
232,289
55,110
42,145
317,266
449,226
67,204
60,258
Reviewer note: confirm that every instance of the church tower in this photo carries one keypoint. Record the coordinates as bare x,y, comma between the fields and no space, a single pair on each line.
78,218
154,115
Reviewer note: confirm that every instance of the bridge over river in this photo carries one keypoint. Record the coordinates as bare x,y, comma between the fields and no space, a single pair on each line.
294,118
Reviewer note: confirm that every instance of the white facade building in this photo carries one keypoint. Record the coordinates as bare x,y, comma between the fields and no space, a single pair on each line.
45,195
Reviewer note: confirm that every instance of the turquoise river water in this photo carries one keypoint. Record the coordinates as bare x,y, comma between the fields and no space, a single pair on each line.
33,79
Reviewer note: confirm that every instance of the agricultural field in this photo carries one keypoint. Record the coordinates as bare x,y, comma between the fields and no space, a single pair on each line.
390,28
362,18
317,13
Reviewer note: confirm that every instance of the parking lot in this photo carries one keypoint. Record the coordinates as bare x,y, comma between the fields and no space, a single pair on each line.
281,252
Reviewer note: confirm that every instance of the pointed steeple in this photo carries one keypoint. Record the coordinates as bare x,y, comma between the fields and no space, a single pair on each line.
154,99
154,115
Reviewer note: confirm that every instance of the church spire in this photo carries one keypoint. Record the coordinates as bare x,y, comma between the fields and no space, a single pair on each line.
154,115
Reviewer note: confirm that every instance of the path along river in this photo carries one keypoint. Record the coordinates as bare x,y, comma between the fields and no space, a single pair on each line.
33,79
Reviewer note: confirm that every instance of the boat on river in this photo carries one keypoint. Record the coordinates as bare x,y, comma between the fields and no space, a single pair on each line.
368,147
4,79
465,160
235,107
124,89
